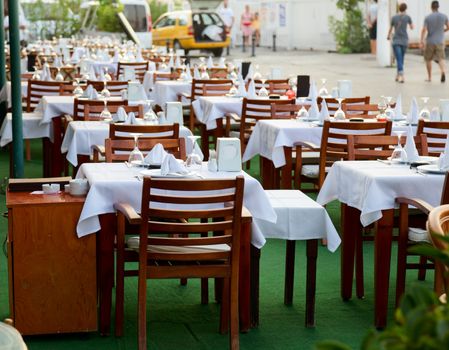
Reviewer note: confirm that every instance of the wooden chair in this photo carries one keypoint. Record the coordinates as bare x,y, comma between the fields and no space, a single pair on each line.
437,225
274,86
332,103
139,68
92,112
334,147
118,150
68,72
218,73
38,88
360,111
158,76
115,87
405,239
183,256
79,106
436,133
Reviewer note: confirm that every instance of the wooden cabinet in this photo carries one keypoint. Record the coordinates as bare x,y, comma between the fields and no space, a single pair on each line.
52,272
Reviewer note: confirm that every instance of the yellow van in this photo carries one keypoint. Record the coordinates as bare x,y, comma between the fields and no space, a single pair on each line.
191,30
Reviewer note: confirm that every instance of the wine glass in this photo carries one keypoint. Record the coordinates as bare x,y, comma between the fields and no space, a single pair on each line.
107,76
204,74
425,113
150,117
193,161
257,75
78,91
163,65
399,154
323,91
339,114
233,90
303,113
202,61
136,157
105,115
389,111
59,76
263,92
105,93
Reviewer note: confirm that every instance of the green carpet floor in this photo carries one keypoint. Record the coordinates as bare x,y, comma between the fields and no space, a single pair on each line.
177,320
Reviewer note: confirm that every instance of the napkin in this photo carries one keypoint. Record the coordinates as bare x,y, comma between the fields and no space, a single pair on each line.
161,118
76,56
313,93
90,93
101,75
435,114
412,116
156,155
324,113
139,57
173,112
116,57
443,161
197,150
189,73
196,73
177,62
210,63
92,75
252,89
398,107
250,73
57,62
151,66
171,166
170,62
46,75
120,116
131,119
410,146
314,112
242,89
221,63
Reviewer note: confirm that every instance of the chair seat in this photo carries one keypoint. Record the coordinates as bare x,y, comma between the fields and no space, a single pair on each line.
418,235
133,243
312,170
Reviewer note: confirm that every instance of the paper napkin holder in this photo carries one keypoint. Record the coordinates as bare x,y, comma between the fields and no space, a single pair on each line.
129,73
134,91
229,156
173,113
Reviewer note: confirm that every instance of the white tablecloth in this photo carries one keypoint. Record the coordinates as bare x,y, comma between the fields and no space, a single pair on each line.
32,128
55,106
168,90
115,182
372,186
23,87
298,218
210,108
80,136
270,136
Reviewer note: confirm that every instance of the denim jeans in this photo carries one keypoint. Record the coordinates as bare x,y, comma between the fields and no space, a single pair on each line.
399,53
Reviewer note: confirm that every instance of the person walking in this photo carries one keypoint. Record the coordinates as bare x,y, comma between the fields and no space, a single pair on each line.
399,24
227,15
371,20
255,25
245,25
433,30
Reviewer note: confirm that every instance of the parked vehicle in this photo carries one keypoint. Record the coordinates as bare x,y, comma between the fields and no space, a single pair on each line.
191,30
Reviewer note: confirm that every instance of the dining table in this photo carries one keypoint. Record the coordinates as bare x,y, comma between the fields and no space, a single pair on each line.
168,91
116,182
367,191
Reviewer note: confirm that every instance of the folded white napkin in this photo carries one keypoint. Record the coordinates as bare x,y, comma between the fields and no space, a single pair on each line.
131,119
196,73
151,66
221,63
90,93
76,56
210,63
171,62
57,62
177,62
197,150
314,112
100,76
156,155
139,57
116,58
242,89
313,92
398,107
46,75
443,161
324,113
435,114
171,166
412,116
92,75
120,116
252,89
189,73
410,146
250,73
130,57
161,118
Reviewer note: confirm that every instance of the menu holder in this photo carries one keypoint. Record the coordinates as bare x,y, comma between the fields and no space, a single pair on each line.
29,185
229,156
303,86
173,113
129,74
133,91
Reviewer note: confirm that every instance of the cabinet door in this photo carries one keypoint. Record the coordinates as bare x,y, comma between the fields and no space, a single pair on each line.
54,272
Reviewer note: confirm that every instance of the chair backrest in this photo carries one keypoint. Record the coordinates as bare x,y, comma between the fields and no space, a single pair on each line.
360,110
218,221
436,133
69,73
139,68
332,103
274,86
115,87
334,145
254,110
118,150
218,73
122,131
92,112
158,76
79,106
285,111
39,88
206,87
366,147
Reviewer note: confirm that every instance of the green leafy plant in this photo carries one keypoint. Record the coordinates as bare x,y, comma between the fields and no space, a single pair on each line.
350,33
107,20
157,8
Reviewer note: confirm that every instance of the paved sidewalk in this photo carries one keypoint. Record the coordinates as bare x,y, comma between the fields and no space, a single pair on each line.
367,77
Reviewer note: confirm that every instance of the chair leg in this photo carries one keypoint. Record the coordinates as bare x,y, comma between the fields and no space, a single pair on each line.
312,253
234,315
402,252
183,281
218,286
225,307
359,277
204,291
422,270
142,312
289,271
120,277
27,150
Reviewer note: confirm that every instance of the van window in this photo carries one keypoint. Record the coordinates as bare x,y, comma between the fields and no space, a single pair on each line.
136,16
207,20
182,20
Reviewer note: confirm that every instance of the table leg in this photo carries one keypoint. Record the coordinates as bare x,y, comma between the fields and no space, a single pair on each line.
105,268
255,272
350,221
312,253
289,271
382,259
244,277
286,171
267,173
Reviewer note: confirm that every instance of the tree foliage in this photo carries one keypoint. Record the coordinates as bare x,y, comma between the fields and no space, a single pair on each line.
350,33
107,20
157,8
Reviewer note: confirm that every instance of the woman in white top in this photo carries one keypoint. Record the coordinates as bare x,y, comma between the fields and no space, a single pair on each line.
371,20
